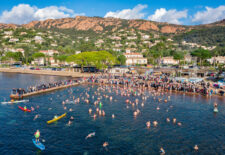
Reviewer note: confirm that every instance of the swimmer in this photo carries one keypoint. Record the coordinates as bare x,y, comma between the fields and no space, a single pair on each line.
105,144
155,123
113,116
71,109
179,123
71,118
168,120
100,112
65,108
32,108
90,110
69,123
196,147
162,151
148,124
157,108
174,120
90,135
94,116
135,113
103,113
36,116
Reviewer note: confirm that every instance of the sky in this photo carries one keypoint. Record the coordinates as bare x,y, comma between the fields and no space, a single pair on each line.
185,12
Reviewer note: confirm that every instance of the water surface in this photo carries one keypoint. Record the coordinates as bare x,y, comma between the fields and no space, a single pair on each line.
125,134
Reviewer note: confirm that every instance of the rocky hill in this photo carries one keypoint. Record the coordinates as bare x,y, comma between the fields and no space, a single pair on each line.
99,24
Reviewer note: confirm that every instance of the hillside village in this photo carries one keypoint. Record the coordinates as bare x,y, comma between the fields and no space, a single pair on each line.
136,45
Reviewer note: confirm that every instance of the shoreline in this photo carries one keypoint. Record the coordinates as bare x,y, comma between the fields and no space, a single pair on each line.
46,72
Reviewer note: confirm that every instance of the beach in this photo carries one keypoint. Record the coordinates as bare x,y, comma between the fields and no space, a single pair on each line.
46,72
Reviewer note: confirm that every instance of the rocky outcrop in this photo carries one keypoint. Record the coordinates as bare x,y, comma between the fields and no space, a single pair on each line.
5,26
172,29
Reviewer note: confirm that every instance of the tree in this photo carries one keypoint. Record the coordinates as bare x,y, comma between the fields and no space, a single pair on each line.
38,56
201,54
122,59
99,59
178,56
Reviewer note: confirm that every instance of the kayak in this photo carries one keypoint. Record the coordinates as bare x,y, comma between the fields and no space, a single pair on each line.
56,119
27,110
20,101
38,144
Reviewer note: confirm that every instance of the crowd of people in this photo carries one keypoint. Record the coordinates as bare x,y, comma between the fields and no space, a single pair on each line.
30,89
161,82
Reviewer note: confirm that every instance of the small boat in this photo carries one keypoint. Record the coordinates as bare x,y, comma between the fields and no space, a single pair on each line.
19,101
26,110
38,145
56,119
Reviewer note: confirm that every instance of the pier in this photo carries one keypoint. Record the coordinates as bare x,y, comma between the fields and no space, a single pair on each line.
17,96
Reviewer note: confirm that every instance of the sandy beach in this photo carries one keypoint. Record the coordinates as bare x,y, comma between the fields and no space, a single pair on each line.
46,72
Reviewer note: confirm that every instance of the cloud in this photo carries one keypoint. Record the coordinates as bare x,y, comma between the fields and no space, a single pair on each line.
171,16
209,15
135,13
24,13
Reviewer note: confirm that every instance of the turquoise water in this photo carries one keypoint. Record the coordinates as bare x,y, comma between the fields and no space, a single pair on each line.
125,134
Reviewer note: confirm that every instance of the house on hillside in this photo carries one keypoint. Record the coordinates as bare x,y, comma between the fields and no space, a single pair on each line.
135,58
169,61
38,39
49,52
12,40
217,60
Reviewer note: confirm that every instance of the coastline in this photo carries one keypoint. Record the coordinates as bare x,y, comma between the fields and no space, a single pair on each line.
46,72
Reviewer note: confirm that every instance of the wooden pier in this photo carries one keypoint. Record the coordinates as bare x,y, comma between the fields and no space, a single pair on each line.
15,96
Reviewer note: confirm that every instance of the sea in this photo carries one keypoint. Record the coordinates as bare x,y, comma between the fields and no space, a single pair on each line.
125,133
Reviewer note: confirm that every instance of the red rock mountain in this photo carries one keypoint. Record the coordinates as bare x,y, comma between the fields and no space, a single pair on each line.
99,24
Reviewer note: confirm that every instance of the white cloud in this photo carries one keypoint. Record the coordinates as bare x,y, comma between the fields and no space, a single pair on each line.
209,15
135,13
171,16
24,13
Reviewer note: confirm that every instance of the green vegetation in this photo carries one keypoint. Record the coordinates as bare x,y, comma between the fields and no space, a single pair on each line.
213,36
98,59
202,55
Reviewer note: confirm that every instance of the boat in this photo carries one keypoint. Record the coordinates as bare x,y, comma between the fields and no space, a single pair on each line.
11,102
27,110
56,119
38,144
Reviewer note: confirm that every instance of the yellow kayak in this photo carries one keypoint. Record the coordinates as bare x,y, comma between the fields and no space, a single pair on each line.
56,119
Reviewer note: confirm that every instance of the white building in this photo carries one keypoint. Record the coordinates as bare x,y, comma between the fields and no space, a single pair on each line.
49,52
8,33
145,37
169,61
118,70
219,60
38,39
135,58
13,40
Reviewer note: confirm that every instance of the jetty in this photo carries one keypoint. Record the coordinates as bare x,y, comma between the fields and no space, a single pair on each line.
21,96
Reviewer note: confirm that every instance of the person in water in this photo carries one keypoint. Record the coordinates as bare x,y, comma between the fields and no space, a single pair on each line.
55,116
37,135
25,108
